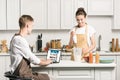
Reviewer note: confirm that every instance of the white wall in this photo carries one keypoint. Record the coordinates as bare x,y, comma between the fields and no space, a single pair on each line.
102,24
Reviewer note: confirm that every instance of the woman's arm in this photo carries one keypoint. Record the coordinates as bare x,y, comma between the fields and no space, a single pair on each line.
71,39
92,46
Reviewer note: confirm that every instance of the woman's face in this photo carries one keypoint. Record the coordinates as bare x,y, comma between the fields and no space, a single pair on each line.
81,20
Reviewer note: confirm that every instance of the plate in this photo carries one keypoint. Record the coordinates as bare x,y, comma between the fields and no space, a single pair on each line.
106,60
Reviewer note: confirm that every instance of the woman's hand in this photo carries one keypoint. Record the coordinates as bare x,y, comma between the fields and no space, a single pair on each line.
85,50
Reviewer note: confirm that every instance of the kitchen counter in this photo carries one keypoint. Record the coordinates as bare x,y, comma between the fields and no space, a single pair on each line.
103,53
71,70
39,54
68,63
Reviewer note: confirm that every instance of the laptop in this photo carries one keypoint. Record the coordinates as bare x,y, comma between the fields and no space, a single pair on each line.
54,55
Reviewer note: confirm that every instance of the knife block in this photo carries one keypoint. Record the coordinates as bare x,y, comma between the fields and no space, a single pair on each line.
39,45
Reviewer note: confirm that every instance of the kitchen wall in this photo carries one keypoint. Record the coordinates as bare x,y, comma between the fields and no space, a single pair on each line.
102,24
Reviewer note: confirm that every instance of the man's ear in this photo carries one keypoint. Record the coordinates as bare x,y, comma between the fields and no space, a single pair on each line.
27,25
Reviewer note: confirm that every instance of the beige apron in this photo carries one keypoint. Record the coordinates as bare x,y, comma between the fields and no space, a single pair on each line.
81,41
24,70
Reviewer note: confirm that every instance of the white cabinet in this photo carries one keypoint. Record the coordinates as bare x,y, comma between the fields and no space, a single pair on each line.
68,10
9,14
4,64
74,73
13,14
53,14
67,14
38,10
111,76
118,68
46,13
2,67
100,7
104,74
2,14
116,14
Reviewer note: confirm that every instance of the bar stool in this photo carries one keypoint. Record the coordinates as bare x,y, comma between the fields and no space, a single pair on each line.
14,77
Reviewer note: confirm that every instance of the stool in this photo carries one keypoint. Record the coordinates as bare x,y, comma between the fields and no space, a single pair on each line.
14,77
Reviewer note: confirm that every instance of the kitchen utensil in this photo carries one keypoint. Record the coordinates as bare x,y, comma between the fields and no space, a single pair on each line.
77,54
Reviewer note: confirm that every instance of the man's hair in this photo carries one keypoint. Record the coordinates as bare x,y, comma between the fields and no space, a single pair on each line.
23,19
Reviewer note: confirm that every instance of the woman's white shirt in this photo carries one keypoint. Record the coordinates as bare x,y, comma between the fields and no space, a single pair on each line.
91,31
20,48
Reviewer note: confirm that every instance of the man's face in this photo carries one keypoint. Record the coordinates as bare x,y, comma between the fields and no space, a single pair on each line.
29,27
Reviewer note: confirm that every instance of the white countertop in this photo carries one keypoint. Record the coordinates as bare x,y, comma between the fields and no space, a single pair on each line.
39,54
102,53
68,63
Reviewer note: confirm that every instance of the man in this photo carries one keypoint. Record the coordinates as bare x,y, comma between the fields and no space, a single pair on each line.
21,55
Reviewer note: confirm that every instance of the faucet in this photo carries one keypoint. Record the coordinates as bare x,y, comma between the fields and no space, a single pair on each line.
99,45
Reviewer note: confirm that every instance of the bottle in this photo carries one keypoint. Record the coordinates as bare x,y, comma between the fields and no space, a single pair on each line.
90,57
39,43
113,47
117,45
97,58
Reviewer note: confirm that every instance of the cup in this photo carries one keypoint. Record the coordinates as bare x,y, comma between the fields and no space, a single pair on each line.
77,54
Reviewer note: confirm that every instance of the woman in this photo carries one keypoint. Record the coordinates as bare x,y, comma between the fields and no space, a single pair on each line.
21,55
82,35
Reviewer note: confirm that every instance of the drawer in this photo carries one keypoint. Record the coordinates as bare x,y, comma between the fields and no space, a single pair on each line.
74,71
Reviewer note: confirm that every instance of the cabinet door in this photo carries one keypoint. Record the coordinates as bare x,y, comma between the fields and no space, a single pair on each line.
105,74
118,68
38,10
74,73
7,63
2,69
53,14
100,7
116,14
13,14
2,14
111,72
67,14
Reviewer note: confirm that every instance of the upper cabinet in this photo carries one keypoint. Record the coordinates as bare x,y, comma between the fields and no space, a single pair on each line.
46,13
13,14
38,10
100,7
2,14
68,10
53,14
67,14
9,14
116,15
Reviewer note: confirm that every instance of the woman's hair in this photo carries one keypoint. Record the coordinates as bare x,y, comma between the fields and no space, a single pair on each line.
81,11
23,19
